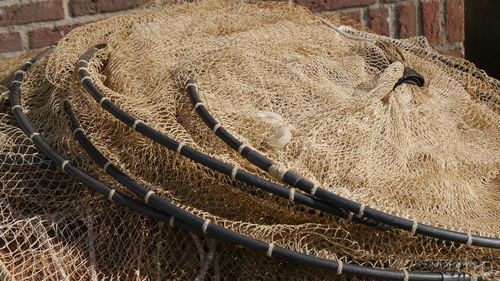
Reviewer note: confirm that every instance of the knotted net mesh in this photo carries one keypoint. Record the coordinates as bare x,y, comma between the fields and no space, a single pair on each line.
320,101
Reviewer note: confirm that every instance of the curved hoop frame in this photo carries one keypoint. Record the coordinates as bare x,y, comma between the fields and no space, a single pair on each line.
220,233
289,177
76,173
201,158
210,229
195,221
173,145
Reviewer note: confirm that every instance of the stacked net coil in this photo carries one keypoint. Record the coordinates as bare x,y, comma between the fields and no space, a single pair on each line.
322,102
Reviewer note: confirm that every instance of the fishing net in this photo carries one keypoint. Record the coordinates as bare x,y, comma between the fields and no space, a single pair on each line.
330,103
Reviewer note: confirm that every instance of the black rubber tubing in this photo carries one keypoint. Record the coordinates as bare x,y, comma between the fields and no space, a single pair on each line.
211,229
125,117
73,171
204,159
328,199
221,233
294,180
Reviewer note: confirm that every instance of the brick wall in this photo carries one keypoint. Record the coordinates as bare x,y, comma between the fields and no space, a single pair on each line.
440,21
30,24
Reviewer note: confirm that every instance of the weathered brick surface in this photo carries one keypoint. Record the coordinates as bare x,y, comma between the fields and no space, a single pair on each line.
31,12
455,20
86,7
430,21
379,21
407,20
10,42
355,15
38,23
46,36
321,5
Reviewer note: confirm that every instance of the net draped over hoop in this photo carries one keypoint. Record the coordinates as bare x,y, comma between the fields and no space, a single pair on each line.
323,103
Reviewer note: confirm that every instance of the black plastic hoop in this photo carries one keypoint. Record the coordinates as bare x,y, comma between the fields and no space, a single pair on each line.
291,178
223,234
234,172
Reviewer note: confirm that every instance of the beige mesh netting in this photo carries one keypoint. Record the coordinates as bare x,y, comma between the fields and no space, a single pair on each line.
322,102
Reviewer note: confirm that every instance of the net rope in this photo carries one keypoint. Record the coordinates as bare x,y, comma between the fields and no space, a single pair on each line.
319,101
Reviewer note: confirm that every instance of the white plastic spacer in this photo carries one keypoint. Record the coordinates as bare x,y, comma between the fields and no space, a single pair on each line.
20,71
15,82
82,68
340,267
102,100
197,105
34,134
83,61
64,163
106,165
205,225
28,62
179,147
146,198
216,127
270,250
277,171
361,210
171,221
240,149
84,78
292,194
469,238
314,189
79,129
351,216
137,121
414,227
191,84
16,106
110,194
233,173
406,275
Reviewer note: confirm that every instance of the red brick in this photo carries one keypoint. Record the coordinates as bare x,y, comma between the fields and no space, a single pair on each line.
355,15
10,42
86,7
379,21
46,36
31,12
407,20
430,19
323,5
455,52
455,20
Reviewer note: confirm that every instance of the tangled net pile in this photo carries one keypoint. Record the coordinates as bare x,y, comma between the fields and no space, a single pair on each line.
389,124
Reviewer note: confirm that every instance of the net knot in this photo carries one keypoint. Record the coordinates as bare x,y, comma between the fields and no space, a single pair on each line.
277,171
